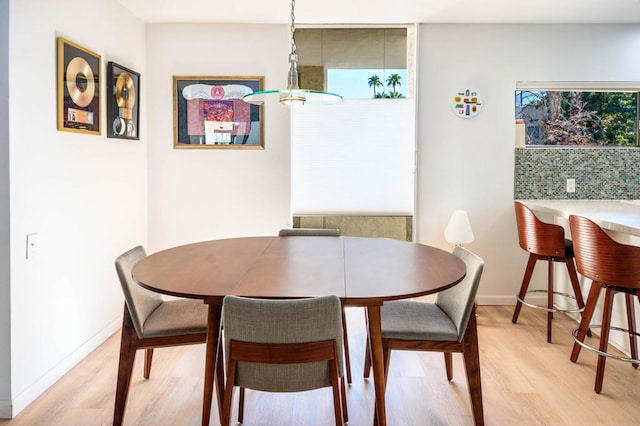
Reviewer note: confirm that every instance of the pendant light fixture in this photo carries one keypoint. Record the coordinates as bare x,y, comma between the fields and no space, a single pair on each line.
292,95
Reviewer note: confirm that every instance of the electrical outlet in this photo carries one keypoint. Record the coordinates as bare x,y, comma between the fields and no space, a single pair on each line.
571,185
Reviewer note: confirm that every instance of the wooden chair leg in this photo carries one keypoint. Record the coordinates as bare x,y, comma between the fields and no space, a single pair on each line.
367,352
531,263
549,299
587,314
347,359
128,346
631,321
471,355
214,317
604,337
367,360
448,364
337,398
241,406
575,283
148,357
343,392
228,394
386,359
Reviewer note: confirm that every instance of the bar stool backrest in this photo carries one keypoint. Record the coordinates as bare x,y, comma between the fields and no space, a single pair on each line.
536,236
601,258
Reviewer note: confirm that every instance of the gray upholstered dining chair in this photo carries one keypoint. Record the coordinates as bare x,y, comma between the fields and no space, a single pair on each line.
283,346
150,321
324,232
309,232
447,325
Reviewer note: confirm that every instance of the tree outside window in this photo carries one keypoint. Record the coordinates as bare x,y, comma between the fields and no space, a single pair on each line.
578,118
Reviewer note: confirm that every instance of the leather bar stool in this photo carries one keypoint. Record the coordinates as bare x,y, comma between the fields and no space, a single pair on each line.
544,241
614,268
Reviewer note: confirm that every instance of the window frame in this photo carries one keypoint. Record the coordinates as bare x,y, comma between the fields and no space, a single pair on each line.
584,86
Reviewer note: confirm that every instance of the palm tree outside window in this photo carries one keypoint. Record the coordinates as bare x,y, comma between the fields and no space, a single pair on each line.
374,81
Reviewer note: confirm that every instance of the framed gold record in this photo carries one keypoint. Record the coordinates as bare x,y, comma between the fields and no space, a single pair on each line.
79,72
123,102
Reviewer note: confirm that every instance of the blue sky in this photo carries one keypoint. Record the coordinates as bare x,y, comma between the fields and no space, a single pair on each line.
354,83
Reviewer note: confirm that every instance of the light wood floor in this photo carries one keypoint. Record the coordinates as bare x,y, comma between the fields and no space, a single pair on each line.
525,381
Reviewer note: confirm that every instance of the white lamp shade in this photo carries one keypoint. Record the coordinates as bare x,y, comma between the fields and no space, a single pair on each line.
458,230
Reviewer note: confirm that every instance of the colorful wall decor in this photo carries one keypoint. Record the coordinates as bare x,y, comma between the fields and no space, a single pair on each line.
466,103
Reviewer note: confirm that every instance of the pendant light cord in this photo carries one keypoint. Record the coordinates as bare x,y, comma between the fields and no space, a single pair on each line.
292,78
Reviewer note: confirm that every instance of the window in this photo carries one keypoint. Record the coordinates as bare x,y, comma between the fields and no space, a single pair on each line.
357,63
368,83
578,116
356,157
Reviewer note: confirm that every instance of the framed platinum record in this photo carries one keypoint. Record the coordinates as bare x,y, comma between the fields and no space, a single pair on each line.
123,102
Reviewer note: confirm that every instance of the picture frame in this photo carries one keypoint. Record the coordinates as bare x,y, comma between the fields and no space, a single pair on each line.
209,113
78,91
123,102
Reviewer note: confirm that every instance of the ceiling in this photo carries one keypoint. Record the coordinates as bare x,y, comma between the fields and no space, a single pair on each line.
353,12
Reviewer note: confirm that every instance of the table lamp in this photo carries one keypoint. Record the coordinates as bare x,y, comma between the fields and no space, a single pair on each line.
458,230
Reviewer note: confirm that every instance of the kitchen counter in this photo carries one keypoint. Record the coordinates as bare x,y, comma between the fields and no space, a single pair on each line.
621,216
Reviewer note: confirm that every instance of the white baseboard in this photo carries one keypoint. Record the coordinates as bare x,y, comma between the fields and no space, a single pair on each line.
20,402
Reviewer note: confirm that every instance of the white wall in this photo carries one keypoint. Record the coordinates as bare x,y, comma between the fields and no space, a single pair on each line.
85,195
202,194
468,164
5,276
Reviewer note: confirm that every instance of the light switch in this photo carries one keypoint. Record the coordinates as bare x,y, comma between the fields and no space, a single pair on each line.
32,242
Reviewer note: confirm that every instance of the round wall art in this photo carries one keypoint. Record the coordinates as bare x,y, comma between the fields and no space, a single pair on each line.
466,103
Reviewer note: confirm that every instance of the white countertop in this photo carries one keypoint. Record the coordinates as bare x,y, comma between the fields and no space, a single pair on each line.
615,215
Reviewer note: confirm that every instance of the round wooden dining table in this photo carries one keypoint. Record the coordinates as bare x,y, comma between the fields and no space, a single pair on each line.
363,272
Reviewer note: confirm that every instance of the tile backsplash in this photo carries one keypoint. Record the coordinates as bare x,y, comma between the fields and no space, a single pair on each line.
599,173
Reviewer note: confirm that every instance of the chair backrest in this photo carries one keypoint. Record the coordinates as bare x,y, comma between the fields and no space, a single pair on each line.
601,258
140,301
457,301
536,236
283,321
309,232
